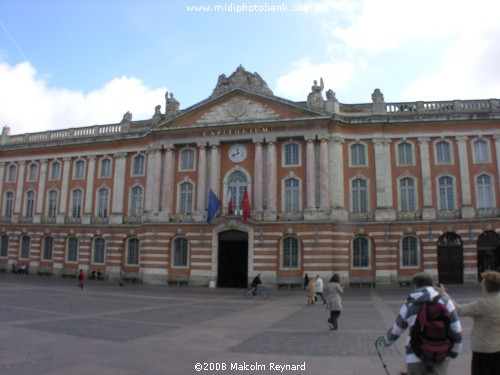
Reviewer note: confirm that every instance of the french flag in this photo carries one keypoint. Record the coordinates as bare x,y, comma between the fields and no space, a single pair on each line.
229,200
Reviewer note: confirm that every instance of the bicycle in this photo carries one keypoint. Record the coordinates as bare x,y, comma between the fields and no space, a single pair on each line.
251,292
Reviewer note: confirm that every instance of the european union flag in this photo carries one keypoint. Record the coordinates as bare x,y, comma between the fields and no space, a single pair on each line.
213,206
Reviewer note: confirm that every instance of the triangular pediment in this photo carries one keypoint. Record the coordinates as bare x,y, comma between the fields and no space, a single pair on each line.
240,106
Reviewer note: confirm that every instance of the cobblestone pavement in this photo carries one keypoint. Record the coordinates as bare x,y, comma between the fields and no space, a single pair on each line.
49,326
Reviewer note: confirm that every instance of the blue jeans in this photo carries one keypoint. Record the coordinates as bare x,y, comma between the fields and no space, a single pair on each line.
334,316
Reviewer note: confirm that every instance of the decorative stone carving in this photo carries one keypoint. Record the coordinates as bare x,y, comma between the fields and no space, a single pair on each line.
127,117
378,102
238,109
241,79
315,97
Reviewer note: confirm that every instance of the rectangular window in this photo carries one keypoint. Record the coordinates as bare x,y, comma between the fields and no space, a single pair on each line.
4,245
290,253
47,248
72,251
292,154
180,252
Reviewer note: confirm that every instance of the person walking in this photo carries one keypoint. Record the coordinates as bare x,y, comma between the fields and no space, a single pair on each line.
81,279
485,335
306,281
318,289
422,295
334,302
310,292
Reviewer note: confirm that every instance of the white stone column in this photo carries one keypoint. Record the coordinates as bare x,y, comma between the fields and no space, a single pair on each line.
89,190
310,175
428,211
496,137
336,165
119,198
258,175
463,159
201,202
215,169
324,175
40,196
168,187
19,188
2,177
153,180
63,205
272,180
383,180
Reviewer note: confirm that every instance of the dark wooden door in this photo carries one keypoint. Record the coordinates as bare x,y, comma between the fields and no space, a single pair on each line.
450,259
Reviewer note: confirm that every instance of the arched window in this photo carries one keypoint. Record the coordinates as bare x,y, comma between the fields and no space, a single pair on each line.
136,201
72,250
359,195
409,255
405,153
25,247
76,203
99,251
4,245
443,152
32,172
291,154
237,183
446,193
290,255
79,169
485,197
408,194
47,248
9,204
360,253
187,159
105,168
138,165
292,194
55,170
133,252
52,204
358,154
186,198
481,151
102,202
11,173
180,252
30,203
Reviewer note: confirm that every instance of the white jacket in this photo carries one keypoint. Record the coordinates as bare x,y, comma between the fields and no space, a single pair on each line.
319,285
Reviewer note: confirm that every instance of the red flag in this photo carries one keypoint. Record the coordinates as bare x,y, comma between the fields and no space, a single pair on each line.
229,201
245,205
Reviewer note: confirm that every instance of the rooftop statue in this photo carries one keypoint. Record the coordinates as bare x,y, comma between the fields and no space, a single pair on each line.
172,104
315,97
241,79
127,117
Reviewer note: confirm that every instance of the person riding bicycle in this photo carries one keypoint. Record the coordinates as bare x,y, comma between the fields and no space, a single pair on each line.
256,285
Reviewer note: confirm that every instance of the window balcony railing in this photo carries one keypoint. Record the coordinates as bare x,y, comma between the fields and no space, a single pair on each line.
361,216
180,217
291,215
488,212
5,219
48,220
132,220
409,215
73,220
448,214
25,219
99,220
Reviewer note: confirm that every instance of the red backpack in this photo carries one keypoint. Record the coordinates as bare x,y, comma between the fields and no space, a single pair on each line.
429,336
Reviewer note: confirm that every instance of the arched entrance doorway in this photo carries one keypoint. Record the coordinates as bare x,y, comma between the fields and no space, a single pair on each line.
488,252
233,259
450,259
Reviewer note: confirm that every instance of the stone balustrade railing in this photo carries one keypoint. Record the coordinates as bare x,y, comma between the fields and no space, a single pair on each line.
397,109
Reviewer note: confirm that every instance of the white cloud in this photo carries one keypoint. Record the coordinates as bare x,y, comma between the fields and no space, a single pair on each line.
29,105
296,84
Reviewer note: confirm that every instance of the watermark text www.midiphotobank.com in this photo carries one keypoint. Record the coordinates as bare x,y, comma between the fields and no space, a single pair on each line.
249,8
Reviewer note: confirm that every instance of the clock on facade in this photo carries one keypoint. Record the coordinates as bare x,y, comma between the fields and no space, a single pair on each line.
237,153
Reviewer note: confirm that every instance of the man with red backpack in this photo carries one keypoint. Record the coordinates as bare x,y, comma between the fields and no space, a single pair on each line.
435,331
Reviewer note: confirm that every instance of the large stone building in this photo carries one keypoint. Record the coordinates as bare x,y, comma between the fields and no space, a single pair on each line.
374,192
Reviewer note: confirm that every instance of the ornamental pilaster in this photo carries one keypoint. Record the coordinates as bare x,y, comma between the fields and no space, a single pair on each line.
19,187
428,212
324,175
463,159
40,196
336,165
272,179
215,168
153,181
89,193
258,175
2,176
168,182
383,180
310,175
116,216
201,203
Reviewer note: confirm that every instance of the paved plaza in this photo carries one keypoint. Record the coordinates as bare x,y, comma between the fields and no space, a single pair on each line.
49,326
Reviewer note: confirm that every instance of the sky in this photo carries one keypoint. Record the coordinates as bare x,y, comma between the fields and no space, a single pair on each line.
76,63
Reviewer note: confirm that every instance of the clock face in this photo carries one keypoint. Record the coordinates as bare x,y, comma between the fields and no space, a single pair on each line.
237,153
